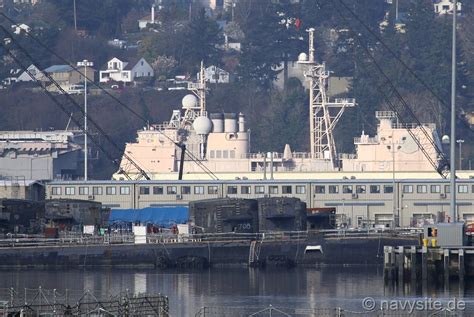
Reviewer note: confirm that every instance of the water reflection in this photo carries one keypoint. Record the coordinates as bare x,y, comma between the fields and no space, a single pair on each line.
190,290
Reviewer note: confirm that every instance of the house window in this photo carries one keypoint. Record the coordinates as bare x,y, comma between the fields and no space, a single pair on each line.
199,190
110,190
212,190
141,63
245,190
185,190
347,189
319,189
300,189
407,189
56,191
375,189
145,190
232,190
171,190
70,191
259,189
83,191
463,189
96,190
273,189
333,189
124,190
435,189
286,189
360,189
158,190
421,189
388,189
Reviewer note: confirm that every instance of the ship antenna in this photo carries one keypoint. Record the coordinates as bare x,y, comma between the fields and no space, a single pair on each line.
202,90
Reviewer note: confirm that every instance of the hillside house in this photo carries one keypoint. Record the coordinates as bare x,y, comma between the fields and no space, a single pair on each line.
126,72
34,71
215,75
445,6
66,76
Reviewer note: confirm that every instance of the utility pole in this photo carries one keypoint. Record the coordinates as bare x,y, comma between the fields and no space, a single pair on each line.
75,17
86,64
460,142
453,119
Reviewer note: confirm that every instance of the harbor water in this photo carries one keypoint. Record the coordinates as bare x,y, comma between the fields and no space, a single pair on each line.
188,291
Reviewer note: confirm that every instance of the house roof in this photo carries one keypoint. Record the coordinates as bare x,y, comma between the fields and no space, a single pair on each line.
58,69
132,63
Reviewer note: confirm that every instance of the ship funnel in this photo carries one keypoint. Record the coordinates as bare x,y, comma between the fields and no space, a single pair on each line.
217,122
230,122
241,122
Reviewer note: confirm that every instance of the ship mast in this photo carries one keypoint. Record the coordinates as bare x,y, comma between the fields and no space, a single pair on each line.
323,114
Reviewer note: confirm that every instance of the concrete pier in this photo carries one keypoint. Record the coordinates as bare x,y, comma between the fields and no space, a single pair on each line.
440,265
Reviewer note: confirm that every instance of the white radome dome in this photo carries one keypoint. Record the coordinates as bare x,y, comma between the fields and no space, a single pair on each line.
189,101
445,139
303,57
202,125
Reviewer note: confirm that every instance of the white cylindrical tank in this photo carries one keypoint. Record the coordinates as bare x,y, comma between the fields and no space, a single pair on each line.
230,123
241,122
217,122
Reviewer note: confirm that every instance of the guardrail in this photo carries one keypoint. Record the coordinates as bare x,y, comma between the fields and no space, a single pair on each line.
170,238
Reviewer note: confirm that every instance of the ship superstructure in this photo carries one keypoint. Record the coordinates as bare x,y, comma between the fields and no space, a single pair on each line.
220,142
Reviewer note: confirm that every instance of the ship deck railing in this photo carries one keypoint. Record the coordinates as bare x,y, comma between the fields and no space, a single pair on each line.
28,241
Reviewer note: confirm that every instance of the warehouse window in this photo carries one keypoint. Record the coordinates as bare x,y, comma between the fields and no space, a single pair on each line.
145,190
286,189
124,190
185,190
333,189
273,189
171,190
232,190
360,189
435,189
388,189
158,190
463,189
96,190
407,189
199,190
212,190
83,191
56,191
110,190
421,189
70,191
301,189
375,189
245,190
259,189
319,189
447,189
347,189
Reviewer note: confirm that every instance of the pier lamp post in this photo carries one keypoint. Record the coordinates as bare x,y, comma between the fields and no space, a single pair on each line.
85,63
460,142
393,146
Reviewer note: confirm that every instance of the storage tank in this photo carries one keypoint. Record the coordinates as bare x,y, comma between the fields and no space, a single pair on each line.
217,122
230,122
281,214
224,215
241,122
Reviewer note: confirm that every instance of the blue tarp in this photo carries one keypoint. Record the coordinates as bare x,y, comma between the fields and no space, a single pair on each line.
165,216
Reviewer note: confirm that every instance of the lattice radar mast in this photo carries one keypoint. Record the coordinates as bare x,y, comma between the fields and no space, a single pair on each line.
323,114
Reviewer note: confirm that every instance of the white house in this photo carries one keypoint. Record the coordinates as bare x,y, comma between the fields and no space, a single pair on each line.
125,72
149,19
215,75
34,71
19,28
446,6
